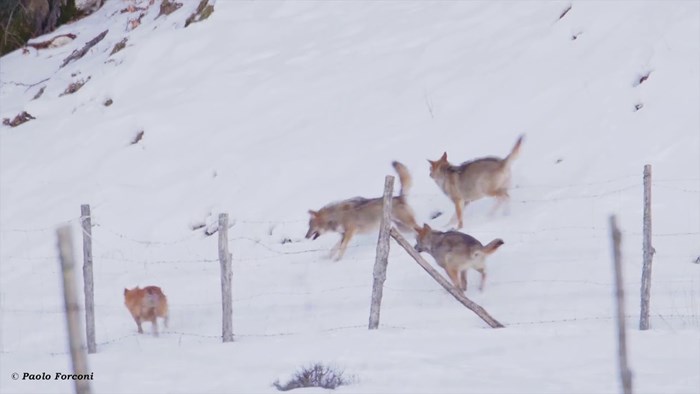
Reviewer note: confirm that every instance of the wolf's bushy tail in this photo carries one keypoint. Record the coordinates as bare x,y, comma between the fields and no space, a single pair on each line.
493,245
404,178
515,152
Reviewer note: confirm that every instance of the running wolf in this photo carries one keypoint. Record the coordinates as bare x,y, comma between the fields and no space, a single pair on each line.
456,252
472,180
362,215
147,304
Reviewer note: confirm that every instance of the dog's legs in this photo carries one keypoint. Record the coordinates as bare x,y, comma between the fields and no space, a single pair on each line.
154,321
347,236
482,271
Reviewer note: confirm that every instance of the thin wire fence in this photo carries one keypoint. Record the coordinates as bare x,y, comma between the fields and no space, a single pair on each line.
110,248
663,183
671,321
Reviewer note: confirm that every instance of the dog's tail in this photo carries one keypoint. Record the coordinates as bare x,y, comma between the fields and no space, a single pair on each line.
515,152
493,245
404,178
151,299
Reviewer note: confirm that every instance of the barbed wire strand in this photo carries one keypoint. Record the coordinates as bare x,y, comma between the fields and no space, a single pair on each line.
190,237
175,334
681,189
41,229
296,221
281,253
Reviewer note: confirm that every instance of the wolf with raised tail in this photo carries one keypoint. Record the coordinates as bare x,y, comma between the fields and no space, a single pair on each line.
456,252
362,215
473,180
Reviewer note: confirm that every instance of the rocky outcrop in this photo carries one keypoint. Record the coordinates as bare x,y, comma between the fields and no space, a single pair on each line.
21,20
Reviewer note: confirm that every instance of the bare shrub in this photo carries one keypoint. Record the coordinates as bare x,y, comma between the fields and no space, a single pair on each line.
137,138
167,7
74,87
316,375
39,93
642,78
77,54
18,120
119,46
57,41
203,11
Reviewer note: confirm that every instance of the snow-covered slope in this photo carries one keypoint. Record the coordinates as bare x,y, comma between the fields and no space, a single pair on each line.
268,109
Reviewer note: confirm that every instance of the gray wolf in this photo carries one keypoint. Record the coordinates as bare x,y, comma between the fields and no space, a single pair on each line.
456,252
147,304
472,180
362,215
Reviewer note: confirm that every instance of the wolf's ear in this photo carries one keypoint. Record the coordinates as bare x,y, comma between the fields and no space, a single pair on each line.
313,213
432,163
126,291
426,227
443,157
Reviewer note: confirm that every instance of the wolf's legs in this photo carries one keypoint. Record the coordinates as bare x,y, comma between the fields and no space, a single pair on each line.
453,273
463,278
482,271
458,210
335,248
459,204
453,220
405,222
347,236
502,198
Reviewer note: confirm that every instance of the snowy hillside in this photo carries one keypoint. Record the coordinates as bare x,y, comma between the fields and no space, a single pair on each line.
268,109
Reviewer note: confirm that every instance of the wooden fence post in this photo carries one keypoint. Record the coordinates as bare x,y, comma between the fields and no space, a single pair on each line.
481,312
648,252
625,373
382,259
88,284
70,296
226,275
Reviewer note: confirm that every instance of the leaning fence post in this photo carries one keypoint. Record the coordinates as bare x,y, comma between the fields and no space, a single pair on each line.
88,284
70,297
382,258
226,274
648,252
625,373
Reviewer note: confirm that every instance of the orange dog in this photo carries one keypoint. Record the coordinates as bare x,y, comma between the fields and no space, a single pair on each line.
147,304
